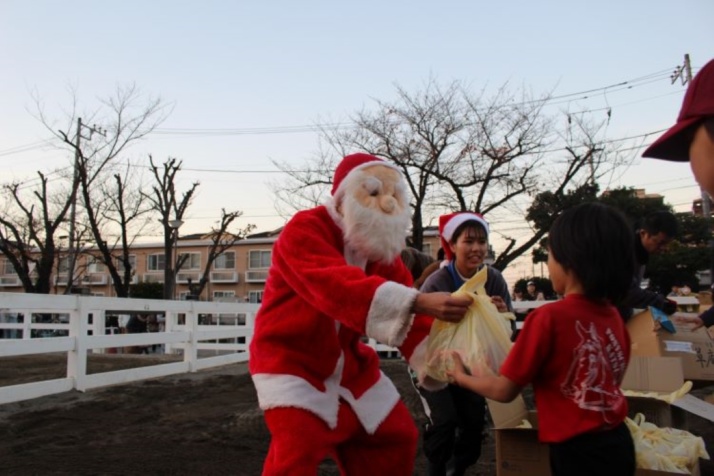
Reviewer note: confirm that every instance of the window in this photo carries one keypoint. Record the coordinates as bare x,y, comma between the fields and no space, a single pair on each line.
120,263
192,260
95,266
259,259
256,297
155,262
225,260
426,248
63,265
6,267
223,294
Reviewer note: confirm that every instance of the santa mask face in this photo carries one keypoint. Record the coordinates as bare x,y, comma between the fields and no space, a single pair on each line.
375,212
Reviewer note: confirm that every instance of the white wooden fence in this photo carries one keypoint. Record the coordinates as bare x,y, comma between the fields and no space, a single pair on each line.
80,325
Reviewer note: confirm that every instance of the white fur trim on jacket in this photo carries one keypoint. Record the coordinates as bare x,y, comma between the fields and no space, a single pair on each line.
390,317
375,404
284,390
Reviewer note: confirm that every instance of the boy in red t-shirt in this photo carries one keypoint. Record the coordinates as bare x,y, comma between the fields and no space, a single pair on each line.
575,351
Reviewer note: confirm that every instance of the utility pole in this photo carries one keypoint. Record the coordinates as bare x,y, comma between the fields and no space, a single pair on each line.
684,74
72,249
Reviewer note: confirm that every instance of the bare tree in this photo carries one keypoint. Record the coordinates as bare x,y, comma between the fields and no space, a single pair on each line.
572,176
462,152
27,232
221,240
34,221
111,207
165,201
127,118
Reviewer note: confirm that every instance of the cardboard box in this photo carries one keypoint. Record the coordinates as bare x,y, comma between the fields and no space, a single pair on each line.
518,451
688,303
660,375
695,348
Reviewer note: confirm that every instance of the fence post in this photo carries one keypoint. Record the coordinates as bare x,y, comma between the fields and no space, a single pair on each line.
26,324
190,354
250,326
170,321
99,327
77,358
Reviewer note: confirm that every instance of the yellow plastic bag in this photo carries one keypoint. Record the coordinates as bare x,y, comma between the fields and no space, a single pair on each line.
482,338
665,449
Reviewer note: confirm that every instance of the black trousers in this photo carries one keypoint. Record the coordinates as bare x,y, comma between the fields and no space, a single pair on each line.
610,453
452,438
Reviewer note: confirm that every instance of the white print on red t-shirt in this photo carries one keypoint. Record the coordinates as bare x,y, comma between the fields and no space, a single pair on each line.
593,379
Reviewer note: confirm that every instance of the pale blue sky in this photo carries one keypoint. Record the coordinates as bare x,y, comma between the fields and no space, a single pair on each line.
242,65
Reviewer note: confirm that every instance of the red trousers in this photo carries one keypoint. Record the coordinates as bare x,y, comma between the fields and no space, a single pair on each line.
300,441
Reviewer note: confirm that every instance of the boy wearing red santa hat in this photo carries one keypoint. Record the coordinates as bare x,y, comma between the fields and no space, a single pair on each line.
336,275
453,436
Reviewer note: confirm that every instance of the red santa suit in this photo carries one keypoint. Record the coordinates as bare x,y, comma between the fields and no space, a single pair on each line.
321,388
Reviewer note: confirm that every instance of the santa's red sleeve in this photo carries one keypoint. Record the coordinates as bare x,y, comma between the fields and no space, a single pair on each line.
309,257
413,348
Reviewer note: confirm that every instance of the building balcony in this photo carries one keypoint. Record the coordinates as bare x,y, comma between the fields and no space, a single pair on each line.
10,281
256,276
224,277
95,279
185,276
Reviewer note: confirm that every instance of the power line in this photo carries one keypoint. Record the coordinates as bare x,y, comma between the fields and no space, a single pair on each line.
554,100
25,147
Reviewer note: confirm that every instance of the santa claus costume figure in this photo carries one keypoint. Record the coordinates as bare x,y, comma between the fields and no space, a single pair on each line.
336,276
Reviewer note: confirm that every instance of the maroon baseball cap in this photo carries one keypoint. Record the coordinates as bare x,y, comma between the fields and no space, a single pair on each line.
698,105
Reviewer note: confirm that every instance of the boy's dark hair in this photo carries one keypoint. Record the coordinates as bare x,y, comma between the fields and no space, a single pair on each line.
468,225
660,222
595,242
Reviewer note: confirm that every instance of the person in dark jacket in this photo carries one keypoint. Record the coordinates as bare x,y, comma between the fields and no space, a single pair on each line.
657,231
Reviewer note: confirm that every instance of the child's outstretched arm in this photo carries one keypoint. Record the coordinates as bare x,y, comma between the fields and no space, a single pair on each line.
497,388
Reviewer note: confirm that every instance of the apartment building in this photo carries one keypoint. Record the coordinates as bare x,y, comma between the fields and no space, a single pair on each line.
238,274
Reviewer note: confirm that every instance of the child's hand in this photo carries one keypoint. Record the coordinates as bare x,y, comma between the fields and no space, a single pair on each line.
695,322
458,369
499,303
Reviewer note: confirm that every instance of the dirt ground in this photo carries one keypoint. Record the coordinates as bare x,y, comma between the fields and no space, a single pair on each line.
204,423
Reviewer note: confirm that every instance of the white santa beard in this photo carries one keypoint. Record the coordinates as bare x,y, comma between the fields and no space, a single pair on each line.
373,234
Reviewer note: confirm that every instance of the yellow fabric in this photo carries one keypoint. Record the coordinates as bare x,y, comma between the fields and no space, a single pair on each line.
482,338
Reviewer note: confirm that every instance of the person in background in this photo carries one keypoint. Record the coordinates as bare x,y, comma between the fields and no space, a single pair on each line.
658,229
431,268
416,261
518,295
453,436
691,139
137,324
675,291
533,293
575,351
